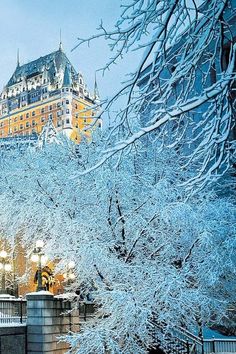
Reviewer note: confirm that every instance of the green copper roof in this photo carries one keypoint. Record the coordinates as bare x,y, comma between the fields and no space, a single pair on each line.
53,62
67,77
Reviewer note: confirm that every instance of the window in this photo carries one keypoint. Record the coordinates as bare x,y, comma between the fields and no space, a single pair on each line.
15,128
33,123
33,113
85,120
67,111
77,126
77,115
67,121
50,116
67,89
27,115
58,113
58,104
42,110
76,106
1,124
50,107
15,119
21,117
42,119
27,124
21,126
67,101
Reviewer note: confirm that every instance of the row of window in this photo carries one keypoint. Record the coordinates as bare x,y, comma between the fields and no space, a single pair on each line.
43,110
43,119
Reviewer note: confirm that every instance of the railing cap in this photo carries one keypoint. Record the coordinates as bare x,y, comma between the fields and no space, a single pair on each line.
40,295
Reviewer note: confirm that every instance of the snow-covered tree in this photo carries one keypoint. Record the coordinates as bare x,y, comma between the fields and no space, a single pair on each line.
152,257
183,88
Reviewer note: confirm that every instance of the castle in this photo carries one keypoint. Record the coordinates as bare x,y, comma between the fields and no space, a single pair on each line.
47,91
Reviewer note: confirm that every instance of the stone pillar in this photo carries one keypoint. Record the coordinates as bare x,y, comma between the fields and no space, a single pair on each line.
47,320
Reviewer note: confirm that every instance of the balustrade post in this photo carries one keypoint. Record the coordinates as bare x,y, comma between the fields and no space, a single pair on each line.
213,345
202,341
21,311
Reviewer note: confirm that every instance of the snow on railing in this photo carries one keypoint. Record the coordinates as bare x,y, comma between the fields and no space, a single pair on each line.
189,343
12,311
219,345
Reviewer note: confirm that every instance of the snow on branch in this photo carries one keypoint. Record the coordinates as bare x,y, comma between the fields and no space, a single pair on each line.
186,70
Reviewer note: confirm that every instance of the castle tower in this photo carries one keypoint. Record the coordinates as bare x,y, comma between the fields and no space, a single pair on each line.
46,89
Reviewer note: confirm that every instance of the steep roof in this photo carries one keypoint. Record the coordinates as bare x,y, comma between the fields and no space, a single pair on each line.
67,76
54,61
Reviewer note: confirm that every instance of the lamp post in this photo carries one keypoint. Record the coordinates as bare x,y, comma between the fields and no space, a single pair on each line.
39,258
69,275
4,267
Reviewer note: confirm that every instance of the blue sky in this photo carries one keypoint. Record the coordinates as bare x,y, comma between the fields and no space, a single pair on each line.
33,26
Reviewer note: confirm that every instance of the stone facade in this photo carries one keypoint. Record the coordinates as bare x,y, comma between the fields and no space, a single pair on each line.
48,318
47,89
13,339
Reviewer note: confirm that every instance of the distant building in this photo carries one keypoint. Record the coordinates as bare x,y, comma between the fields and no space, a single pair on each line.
46,91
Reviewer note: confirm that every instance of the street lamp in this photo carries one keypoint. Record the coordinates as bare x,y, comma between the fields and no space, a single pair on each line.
69,275
39,257
4,267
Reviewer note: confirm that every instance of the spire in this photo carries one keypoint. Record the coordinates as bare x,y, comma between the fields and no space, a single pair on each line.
96,92
60,44
18,58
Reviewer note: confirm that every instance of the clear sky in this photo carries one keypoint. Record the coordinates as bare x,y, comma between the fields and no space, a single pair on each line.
33,26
